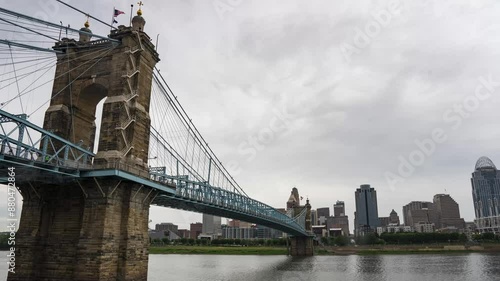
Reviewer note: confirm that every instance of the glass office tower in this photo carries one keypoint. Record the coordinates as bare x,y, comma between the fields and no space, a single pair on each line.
485,193
366,215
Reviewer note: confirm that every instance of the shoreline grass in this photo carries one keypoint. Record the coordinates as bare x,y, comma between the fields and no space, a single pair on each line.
217,250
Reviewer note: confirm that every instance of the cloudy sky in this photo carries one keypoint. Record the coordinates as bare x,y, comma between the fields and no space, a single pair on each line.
328,95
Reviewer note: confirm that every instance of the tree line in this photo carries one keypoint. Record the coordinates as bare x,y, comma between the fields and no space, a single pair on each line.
411,238
422,238
220,242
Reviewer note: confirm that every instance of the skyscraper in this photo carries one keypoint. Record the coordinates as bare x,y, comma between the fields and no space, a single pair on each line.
366,215
293,200
323,214
314,217
339,209
486,195
339,219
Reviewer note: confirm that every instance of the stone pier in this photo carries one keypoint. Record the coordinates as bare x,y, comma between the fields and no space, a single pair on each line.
99,232
301,246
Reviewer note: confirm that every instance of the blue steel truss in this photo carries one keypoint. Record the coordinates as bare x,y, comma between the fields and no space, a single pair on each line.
23,140
26,145
200,196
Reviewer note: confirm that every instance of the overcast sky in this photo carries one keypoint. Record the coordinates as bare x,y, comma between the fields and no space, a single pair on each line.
328,95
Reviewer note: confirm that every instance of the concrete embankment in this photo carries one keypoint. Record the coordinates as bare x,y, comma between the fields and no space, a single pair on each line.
407,249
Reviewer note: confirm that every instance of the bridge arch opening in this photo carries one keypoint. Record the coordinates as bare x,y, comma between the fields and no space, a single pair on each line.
90,105
97,123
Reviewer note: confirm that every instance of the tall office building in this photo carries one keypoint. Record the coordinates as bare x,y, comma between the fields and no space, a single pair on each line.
366,215
486,195
448,213
314,217
211,225
339,209
323,214
339,222
293,200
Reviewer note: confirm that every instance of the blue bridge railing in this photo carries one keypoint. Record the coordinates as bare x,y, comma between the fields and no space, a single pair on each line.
25,140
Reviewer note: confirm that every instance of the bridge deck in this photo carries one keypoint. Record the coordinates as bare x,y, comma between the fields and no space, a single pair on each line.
178,193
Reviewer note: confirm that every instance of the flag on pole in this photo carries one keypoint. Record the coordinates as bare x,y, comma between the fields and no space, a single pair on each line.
118,12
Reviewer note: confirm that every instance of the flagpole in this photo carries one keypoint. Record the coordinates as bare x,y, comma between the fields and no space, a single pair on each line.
131,12
112,20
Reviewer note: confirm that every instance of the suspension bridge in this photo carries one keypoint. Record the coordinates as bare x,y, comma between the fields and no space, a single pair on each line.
86,183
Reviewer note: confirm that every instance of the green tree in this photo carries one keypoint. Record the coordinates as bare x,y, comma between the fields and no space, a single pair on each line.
341,240
367,239
488,236
324,240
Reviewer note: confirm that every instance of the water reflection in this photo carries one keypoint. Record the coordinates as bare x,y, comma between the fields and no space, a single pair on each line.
365,268
485,265
450,267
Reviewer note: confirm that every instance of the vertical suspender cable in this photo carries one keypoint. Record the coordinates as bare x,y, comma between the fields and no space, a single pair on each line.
17,82
71,98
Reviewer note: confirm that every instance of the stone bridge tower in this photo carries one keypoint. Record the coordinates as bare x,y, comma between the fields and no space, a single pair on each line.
303,245
94,228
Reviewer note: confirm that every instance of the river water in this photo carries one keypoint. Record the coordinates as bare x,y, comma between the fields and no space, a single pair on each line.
435,267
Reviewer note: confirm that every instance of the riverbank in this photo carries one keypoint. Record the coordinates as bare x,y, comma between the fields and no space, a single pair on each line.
347,250
217,250
407,249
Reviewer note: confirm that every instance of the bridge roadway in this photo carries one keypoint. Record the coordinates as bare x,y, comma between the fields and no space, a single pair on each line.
26,147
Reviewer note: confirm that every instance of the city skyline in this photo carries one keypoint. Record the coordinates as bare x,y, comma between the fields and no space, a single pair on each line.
331,120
